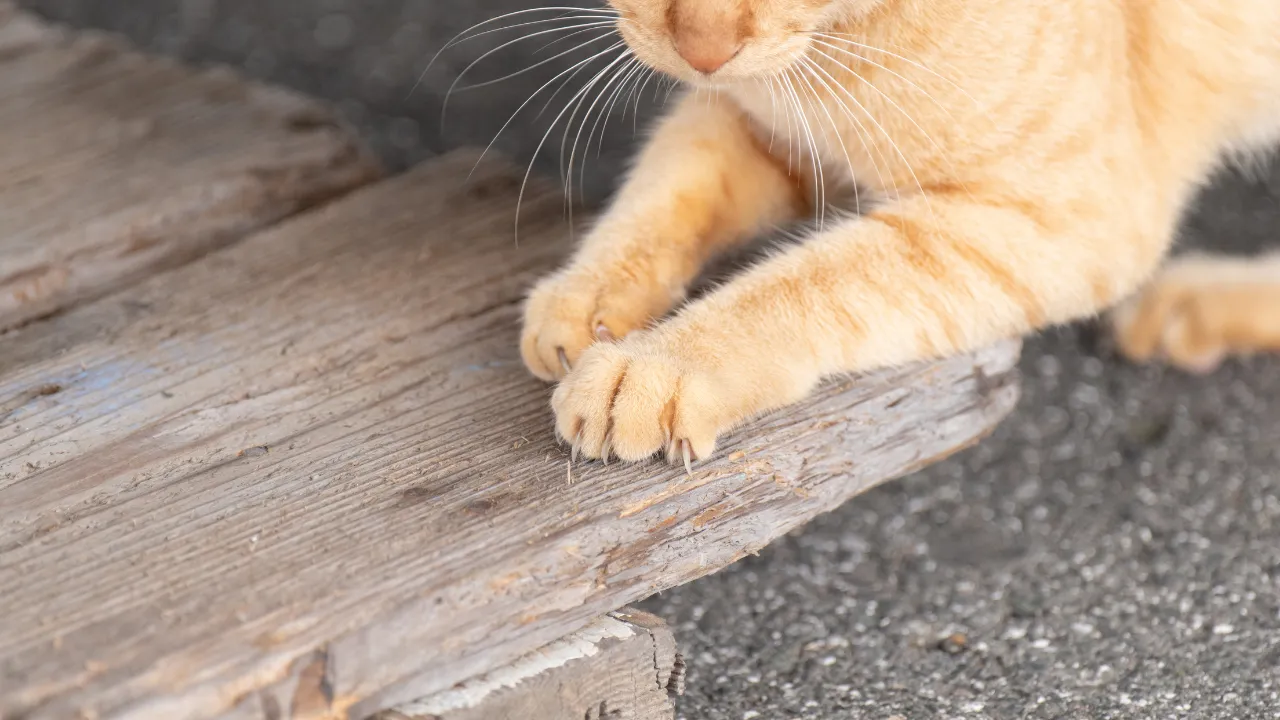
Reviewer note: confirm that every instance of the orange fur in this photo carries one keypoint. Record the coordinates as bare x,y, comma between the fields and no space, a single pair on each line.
1200,309
1019,163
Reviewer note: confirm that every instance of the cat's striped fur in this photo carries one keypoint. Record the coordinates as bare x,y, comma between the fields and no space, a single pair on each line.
1019,163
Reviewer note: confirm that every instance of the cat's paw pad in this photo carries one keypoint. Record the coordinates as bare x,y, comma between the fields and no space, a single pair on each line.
634,399
566,313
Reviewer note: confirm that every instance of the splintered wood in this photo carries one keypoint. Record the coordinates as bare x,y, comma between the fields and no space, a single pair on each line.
622,666
312,463
113,164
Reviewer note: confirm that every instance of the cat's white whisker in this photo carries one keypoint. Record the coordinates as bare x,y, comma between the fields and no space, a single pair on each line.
650,74
672,84
529,171
627,73
558,19
864,135
786,109
609,75
559,40
887,136
823,38
448,94
618,82
613,73
839,136
579,68
565,12
456,39
814,157
817,155
791,133
571,71
773,112
846,37
535,66
577,101
641,80
942,152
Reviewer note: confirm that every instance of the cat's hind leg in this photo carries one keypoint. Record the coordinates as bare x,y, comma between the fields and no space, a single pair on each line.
1201,309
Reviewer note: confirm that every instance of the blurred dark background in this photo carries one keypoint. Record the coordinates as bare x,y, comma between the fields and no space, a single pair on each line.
369,56
1113,551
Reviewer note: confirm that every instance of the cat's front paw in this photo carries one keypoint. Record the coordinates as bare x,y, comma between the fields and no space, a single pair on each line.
569,311
636,398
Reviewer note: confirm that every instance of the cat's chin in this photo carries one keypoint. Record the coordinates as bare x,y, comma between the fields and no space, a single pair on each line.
713,84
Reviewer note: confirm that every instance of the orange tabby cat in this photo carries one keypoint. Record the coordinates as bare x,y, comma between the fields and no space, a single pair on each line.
1018,163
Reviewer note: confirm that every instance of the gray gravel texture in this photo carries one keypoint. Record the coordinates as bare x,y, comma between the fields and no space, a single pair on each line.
1113,551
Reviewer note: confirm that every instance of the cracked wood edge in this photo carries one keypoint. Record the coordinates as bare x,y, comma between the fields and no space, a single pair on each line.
768,479
622,666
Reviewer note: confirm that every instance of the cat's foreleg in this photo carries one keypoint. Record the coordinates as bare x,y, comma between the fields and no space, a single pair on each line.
928,276
702,184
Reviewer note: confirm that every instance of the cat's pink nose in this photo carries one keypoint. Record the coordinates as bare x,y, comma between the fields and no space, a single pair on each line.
705,52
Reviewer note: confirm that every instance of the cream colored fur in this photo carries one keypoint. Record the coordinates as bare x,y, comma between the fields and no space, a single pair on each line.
1020,163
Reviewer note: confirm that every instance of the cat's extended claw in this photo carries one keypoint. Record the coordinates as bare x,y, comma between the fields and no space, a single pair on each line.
569,311
635,398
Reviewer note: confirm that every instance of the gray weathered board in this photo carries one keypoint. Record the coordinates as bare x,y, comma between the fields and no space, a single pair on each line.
623,666
306,475
113,164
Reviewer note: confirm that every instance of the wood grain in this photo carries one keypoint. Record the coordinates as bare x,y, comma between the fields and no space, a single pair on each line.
114,164
623,666
307,476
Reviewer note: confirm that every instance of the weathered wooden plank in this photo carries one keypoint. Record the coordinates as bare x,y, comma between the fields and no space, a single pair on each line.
113,164
623,666
306,475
